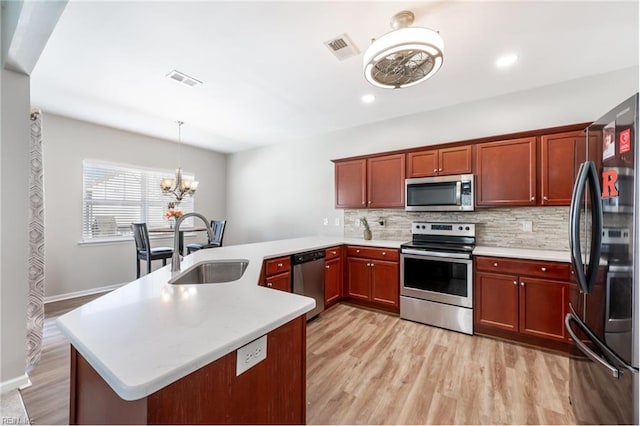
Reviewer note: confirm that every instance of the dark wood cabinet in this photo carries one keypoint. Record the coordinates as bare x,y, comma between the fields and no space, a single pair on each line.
373,276
506,173
332,276
439,162
560,157
376,182
543,308
351,183
496,303
277,274
385,181
521,299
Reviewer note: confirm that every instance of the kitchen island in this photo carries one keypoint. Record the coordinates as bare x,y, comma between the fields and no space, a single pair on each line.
153,352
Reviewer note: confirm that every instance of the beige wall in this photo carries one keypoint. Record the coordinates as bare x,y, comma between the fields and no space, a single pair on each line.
287,190
14,185
72,267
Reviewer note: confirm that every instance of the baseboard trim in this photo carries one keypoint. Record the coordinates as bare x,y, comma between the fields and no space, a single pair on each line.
81,293
19,382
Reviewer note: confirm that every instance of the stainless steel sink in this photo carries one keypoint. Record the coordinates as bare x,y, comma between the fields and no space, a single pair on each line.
212,271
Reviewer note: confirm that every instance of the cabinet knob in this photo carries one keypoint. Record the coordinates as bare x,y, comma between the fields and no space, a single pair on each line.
495,265
522,283
439,170
280,265
327,266
543,269
545,198
369,202
269,284
435,170
363,203
384,253
358,251
515,283
334,252
533,198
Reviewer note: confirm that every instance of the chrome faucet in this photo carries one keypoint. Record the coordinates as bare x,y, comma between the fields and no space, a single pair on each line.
175,259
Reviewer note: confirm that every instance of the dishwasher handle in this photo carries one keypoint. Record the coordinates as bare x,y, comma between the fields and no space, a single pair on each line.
307,256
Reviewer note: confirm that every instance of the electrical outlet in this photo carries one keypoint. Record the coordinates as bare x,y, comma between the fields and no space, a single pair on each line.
251,354
325,221
358,223
336,221
527,226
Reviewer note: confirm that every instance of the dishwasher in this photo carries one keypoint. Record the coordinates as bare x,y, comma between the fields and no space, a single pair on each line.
308,277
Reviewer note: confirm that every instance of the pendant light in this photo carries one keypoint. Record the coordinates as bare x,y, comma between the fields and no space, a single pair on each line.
405,56
179,187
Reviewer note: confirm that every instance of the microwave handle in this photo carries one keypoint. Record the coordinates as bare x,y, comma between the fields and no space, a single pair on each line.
458,193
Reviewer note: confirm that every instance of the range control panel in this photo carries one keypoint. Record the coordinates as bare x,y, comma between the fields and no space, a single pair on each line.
441,228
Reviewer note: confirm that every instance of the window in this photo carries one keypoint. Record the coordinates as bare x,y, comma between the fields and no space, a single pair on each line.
115,196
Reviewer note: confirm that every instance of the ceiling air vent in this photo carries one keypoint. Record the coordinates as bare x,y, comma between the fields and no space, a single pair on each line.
342,47
182,78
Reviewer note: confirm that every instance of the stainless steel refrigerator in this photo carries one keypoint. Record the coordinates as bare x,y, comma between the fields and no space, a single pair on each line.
603,236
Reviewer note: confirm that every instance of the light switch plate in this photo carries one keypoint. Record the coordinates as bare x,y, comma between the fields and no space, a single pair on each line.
251,354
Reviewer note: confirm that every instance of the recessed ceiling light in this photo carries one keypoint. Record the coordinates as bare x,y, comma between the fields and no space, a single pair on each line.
367,99
506,61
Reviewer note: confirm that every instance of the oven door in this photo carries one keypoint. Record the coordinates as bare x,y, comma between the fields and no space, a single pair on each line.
438,277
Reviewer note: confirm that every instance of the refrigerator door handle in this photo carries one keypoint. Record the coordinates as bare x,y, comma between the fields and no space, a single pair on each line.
574,225
585,349
586,174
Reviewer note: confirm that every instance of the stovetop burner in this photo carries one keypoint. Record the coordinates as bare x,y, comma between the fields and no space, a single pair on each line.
442,237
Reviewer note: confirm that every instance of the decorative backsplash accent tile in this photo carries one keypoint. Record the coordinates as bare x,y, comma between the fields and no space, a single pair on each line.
496,227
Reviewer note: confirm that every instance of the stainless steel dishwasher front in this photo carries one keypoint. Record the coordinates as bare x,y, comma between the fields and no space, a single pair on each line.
308,278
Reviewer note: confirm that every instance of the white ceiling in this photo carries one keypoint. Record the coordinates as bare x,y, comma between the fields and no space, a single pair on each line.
269,78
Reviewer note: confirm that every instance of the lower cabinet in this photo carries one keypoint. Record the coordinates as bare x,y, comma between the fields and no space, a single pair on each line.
332,276
277,273
373,277
521,299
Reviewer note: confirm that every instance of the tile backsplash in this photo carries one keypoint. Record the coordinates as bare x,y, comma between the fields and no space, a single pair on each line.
496,227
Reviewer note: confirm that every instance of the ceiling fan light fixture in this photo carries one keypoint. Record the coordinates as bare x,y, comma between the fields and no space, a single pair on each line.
403,57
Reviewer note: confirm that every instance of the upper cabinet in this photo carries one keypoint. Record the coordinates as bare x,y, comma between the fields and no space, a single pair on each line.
440,162
374,182
560,158
506,173
351,183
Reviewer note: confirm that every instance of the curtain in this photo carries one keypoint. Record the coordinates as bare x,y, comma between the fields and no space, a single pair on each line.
35,302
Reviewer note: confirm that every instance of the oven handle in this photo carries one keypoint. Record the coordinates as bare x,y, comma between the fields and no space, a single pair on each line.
425,253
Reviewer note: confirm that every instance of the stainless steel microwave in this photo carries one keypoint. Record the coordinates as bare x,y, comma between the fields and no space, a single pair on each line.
440,193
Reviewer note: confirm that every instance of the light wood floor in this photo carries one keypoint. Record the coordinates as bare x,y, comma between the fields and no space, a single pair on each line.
366,367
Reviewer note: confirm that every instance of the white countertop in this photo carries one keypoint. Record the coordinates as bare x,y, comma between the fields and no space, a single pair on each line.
520,253
149,333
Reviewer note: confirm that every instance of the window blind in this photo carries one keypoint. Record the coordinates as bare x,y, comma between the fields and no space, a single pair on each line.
115,196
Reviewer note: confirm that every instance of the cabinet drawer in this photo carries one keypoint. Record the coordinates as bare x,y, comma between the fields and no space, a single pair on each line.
530,268
279,282
333,252
373,253
279,265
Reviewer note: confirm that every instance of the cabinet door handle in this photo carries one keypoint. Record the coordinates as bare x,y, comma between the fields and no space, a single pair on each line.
543,269
495,265
515,283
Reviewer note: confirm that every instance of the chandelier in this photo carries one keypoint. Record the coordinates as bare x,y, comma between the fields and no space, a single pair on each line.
179,187
405,56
